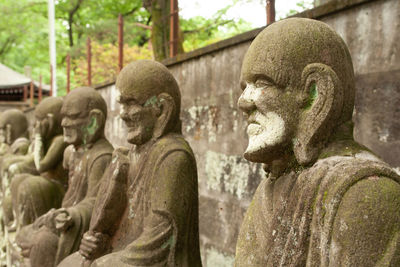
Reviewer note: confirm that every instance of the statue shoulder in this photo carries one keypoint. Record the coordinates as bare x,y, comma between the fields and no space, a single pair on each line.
170,143
374,195
102,148
366,227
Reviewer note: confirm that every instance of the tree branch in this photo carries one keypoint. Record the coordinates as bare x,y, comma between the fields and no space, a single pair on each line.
208,27
71,14
134,9
5,47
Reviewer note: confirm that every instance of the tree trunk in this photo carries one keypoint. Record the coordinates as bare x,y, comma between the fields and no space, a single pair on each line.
160,14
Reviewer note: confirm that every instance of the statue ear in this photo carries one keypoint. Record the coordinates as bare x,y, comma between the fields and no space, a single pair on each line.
164,121
96,122
50,119
9,134
320,112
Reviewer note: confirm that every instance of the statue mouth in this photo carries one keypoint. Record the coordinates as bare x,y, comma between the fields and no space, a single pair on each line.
252,121
254,129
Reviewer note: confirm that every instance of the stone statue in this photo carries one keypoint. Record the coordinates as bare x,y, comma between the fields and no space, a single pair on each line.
150,216
13,132
14,142
56,234
326,201
14,145
32,196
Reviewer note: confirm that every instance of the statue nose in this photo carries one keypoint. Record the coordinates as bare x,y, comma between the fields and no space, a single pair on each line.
246,104
65,122
124,114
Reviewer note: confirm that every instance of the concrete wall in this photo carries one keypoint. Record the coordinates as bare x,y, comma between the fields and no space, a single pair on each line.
214,127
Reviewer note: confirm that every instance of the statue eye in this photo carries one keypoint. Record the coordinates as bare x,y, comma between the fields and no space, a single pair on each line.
262,83
73,116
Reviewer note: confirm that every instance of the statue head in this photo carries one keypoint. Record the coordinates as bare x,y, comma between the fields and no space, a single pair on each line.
84,113
150,101
298,87
13,125
48,115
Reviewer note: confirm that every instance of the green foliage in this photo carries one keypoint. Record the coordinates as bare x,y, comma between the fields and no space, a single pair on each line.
104,63
301,6
24,36
199,32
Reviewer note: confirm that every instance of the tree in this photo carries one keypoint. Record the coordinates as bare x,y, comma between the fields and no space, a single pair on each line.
104,65
199,32
23,42
160,15
24,34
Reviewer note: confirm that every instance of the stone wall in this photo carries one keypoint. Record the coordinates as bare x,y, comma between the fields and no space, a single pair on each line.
215,128
4,105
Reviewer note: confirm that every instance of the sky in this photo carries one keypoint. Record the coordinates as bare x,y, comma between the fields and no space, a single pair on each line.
252,11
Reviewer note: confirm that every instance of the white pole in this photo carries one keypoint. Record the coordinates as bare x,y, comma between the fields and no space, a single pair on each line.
52,44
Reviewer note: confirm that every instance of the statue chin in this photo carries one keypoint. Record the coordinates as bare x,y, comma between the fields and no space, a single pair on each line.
258,156
138,136
71,139
264,153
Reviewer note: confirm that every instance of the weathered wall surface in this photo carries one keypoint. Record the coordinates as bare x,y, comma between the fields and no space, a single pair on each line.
372,33
215,128
4,105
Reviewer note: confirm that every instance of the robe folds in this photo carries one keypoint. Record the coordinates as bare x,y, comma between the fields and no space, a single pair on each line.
85,171
33,195
342,211
159,226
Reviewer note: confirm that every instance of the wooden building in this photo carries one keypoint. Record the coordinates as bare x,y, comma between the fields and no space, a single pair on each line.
15,89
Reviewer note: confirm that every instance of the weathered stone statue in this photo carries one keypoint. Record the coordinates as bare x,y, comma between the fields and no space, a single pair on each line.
14,145
150,216
13,132
326,201
32,196
56,234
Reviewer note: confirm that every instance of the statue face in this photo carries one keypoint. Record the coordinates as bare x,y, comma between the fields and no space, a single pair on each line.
139,119
74,124
271,114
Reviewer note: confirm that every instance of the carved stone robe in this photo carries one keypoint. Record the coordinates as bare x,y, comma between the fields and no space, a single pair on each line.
342,211
85,170
159,226
32,195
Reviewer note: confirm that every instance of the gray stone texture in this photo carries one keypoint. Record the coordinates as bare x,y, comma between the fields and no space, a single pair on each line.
215,128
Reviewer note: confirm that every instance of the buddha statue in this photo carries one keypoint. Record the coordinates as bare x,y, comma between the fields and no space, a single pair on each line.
14,144
146,213
57,233
13,132
33,195
326,200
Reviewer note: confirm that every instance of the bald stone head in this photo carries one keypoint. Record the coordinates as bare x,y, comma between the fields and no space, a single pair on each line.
150,100
13,124
49,105
48,114
143,79
84,114
298,86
